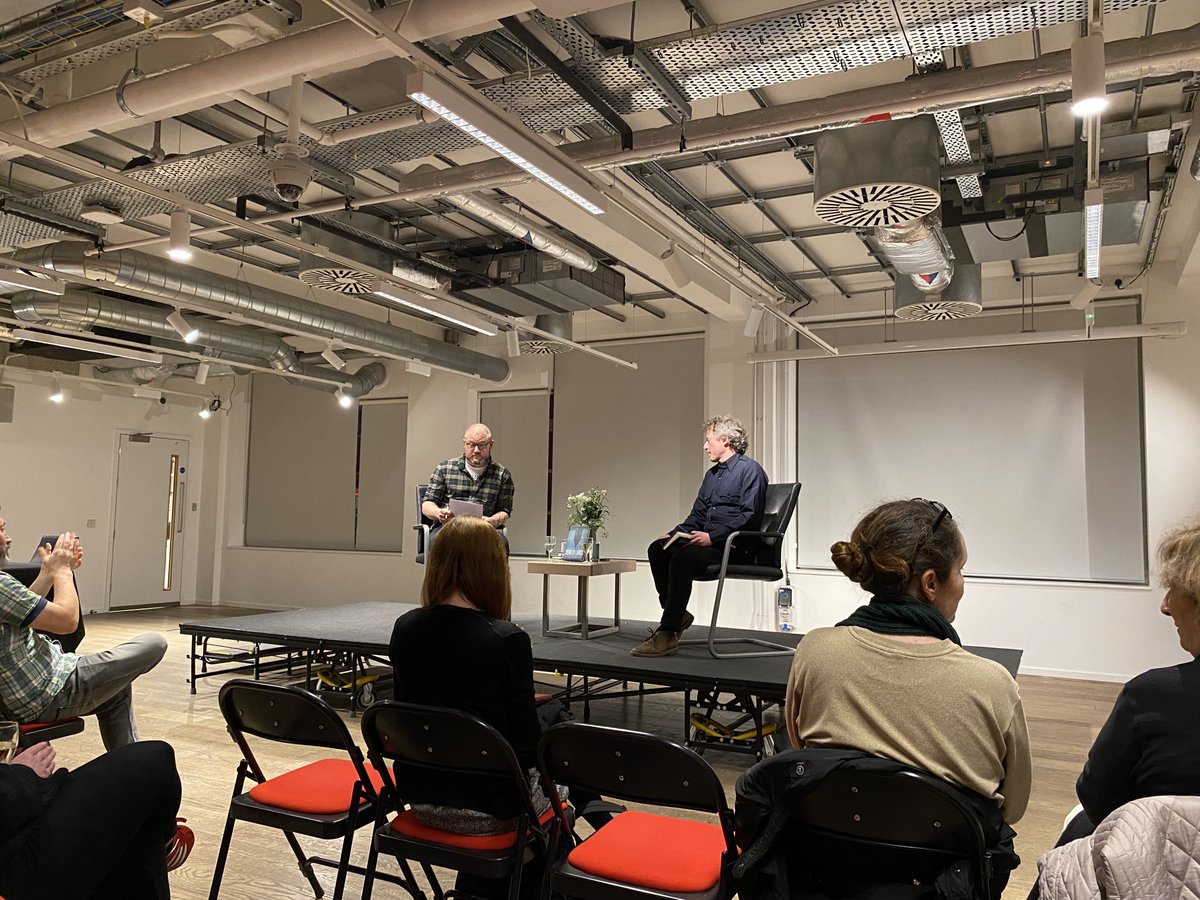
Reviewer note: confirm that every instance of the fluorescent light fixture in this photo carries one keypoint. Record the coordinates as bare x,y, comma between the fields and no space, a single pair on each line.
179,248
753,322
513,342
147,393
57,393
437,314
1093,230
1087,75
188,332
61,340
333,359
673,259
201,375
507,136
345,401
1086,294
22,281
416,368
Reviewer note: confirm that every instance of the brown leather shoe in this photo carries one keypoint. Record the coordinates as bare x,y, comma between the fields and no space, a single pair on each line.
661,643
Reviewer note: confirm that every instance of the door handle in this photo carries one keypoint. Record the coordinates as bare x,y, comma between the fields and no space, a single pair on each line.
180,507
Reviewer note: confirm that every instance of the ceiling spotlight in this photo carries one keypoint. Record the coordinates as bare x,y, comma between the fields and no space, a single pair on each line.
205,412
1087,75
345,401
333,359
201,375
753,321
672,258
189,333
179,247
416,368
513,340
58,393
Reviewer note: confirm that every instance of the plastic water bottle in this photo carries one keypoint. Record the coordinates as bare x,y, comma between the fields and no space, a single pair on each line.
783,609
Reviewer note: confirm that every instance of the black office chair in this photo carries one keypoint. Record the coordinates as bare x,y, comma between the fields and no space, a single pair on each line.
767,544
327,799
409,742
639,855
26,573
424,523
903,827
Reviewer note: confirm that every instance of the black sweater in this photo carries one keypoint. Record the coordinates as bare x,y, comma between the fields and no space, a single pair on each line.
1149,744
464,659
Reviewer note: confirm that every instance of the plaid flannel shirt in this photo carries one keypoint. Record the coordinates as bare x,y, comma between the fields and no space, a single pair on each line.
33,668
451,481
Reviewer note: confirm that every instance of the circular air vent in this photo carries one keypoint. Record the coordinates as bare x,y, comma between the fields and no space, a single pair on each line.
935,310
540,347
344,281
868,205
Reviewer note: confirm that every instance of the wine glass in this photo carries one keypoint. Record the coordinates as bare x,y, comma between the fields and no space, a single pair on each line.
10,733
551,545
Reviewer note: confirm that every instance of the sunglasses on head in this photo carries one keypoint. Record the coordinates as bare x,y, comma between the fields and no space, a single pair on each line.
942,514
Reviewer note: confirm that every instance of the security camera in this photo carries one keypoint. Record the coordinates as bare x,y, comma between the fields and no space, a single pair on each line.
290,175
162,401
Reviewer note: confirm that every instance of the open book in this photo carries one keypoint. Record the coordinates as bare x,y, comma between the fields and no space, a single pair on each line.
677,536
465,508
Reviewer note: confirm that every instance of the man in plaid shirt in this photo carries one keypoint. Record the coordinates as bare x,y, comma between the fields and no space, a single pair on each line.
472,476
41,683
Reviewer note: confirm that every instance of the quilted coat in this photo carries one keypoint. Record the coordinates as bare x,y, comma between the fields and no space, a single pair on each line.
1148,849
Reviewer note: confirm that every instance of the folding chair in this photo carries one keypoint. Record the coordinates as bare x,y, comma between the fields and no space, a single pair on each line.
422,740
638,854
36,732
779,507
327,799
902,827
424,523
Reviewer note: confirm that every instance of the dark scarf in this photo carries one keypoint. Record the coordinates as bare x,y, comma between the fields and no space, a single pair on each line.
901,614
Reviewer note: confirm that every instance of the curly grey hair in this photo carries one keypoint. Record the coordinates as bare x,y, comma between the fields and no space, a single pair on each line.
730,430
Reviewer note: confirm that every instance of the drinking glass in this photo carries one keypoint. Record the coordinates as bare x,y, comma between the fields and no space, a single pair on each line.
10,733
551,545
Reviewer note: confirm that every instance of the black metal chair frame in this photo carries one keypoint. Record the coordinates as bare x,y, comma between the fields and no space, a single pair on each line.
436,739
916,818
773,540
632,766
36,732
424,524
292,715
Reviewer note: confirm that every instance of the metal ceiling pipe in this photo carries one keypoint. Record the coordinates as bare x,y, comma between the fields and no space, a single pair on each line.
81,309
131,375
359,384
331,138
339,46
185,285
507,222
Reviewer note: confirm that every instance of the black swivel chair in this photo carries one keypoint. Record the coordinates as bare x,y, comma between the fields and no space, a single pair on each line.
778,510
903,827
424,523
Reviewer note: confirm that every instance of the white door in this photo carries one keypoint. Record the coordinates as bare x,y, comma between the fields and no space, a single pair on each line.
147,555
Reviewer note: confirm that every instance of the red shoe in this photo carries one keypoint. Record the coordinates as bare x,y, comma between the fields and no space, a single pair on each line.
179,847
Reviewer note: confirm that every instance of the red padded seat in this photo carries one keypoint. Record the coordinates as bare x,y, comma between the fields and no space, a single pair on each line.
320,788
406,824
657,852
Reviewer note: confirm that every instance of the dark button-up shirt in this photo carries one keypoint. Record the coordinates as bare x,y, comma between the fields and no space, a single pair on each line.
451,481
731,499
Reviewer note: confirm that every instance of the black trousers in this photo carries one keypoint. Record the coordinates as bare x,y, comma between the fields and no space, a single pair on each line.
103,831
674,569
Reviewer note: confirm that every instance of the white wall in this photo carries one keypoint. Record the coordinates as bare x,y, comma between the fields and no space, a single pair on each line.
58,471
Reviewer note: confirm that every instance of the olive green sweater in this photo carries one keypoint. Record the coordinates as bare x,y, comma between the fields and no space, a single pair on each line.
933,706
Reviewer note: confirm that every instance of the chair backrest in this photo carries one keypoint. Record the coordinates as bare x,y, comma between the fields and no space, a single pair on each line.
422,490
778,509
282,713
27,573
420,739
630,765
889,827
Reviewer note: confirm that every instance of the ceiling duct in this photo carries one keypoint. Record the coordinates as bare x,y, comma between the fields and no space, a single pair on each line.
369,248
882,173
960,299
919,250
507,222
555,323
219,294
527,283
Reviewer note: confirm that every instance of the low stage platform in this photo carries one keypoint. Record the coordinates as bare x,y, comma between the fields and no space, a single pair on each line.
600,668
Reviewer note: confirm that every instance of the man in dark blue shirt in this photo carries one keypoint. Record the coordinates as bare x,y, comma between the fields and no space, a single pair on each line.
731,499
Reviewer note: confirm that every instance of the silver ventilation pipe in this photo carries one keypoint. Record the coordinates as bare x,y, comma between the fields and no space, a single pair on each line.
130,375
918,249
220,295
507,222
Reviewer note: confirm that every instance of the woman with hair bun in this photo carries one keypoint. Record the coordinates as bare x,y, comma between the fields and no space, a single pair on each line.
893,679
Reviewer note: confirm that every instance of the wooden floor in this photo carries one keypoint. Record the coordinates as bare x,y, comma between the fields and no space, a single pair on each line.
1063,715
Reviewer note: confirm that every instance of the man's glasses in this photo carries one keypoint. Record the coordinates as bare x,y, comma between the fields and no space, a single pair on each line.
477,445
942,514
